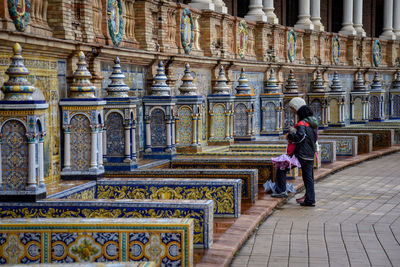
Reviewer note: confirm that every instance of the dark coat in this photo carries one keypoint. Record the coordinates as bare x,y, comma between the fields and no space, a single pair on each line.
305,138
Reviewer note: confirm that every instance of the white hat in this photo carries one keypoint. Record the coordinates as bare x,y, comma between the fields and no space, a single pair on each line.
297,103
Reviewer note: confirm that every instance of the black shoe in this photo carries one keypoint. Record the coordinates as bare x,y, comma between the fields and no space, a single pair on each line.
307,204
279,195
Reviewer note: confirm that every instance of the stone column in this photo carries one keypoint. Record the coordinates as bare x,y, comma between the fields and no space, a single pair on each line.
173,133
202,4
41,160
104,142
93,154
148,135
194,129
365,110
127,140
169,135
227,125
316,15
388,21
31,184
396,18
67,149
100,145
268,8
256,12
348,28
133,135
358,25
1,171
304,21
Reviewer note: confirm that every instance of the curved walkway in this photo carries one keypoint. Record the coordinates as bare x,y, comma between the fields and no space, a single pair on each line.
356,223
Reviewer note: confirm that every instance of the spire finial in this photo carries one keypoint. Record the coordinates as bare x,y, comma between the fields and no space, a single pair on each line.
243,88
81,86
117,87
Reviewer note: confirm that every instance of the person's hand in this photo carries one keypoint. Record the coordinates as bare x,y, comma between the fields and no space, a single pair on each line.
292,129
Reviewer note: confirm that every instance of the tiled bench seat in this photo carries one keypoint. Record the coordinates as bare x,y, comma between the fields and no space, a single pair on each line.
364,140
68,240
328,151
345,145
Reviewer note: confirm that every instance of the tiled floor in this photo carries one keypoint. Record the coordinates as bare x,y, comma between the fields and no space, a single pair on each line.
356,223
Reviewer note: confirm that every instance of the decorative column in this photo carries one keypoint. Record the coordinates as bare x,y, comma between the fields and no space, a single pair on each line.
120,111
100,146
41,160
268,7
159,113
347,28
377,100
81,112
388,21
202,4
359,98
394,94
291,91
318,100
133,134
336,101
256,12
358,13
220,110
316,15
188,108
396,18
271,107
19,106
304,21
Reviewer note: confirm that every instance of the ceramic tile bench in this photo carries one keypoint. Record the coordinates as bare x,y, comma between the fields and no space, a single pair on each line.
364,140
97,264
68,240
225,193
328,151
381,137
393,125
278,148
199,210
265,167
345,145
249,177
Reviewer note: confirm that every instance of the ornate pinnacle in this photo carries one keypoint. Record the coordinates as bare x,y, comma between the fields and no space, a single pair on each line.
243,88
359,84
221,88
17,87
336,83
318,83
81,86
117,87
376,83
291,85
271,87
160,87
188,87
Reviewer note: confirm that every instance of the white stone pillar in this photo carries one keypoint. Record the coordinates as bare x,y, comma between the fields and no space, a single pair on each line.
67,149
268,8
169,136
148,136
396,18
93,150
227,125
41,160
304,21
133,134
316,15
202,4
388,33
194,129
127,141
358,22
220,6
347,24
100,145
256,12
31,184
104,142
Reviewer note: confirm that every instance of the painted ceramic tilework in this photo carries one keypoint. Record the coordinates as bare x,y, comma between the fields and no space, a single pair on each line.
256,82
98,264
317,109
158,129
334,111
270,117
80,143
347,83
43,74
165,242
374,107
202,80
115,135
358,113
219,123
14,152
135,76
326,152
85,191
249,177
199,210
344,147
184,126
288,116
240,120
396,106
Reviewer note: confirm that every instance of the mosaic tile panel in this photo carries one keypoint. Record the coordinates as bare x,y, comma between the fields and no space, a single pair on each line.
80,143
347,83
201,211
14,152
333,111
219,122
328,151
63,241
316,107
249,177
345,145
288,116
158,128
381,138
115,135
358,113
269,117
185,126
374,107
240,120
396,106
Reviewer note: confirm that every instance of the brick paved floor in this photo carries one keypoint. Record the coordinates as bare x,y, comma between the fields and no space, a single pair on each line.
356,223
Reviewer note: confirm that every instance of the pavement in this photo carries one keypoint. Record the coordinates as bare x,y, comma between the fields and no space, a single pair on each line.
356,222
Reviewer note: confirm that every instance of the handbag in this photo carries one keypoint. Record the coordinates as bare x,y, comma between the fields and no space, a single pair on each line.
290,148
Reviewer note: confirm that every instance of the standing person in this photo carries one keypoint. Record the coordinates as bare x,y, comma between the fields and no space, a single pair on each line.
304,135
